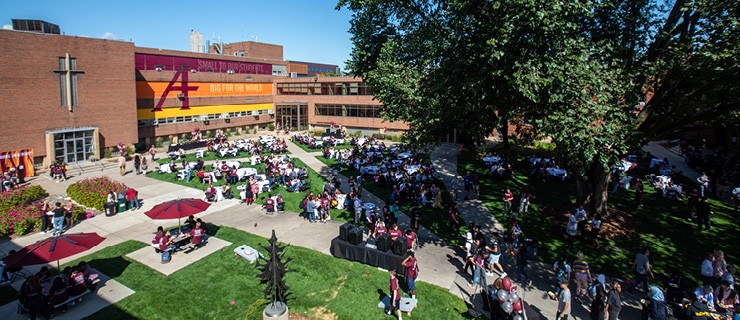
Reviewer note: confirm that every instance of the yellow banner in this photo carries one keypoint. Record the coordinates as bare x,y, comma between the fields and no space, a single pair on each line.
154,90
144,114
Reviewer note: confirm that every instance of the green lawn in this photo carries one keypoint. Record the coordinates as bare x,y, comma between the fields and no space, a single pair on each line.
321,287
309,149
208,156
660,224
292,199
433,219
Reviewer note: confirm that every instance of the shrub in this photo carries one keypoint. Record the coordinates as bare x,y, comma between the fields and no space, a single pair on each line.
378,136
271,126
318,132
357,134
92,192
78,213
107,153
19,220
158,142
20,197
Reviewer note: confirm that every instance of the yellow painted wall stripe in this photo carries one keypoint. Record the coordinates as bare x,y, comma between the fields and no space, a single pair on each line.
144,114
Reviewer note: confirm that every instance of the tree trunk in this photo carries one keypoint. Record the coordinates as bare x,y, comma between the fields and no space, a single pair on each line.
505,131
592,189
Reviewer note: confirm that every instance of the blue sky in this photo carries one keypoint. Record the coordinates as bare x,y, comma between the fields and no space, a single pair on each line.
308,30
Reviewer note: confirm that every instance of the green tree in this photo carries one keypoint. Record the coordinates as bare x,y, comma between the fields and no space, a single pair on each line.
597,77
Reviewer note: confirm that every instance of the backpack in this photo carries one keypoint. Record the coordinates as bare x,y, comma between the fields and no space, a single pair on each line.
594,292
561,273
302,204
166,257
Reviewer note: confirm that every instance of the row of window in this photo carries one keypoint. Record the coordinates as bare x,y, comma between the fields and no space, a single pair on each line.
348,110
204,117
324,88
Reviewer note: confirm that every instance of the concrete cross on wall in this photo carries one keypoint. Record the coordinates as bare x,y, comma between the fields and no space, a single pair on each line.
68,81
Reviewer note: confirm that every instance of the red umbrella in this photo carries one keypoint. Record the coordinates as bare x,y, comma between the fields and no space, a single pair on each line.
54,248
177,208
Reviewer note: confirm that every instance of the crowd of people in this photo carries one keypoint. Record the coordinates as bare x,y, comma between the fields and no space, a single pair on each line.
14,177
40,293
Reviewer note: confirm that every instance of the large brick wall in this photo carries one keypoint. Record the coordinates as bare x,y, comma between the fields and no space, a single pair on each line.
30,101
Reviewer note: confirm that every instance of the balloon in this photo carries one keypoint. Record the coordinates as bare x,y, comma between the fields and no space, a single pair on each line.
507,307
517,305
502,295
506,283
514,297
518,317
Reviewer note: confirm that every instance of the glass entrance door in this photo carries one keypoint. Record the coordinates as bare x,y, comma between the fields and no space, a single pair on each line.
71,147
294,116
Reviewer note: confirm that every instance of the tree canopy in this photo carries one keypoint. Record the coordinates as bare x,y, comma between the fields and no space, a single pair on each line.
595,76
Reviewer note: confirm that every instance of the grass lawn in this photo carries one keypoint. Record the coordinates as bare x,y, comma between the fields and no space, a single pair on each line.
431,218
321,287
309,149
660,224
207,156
292,199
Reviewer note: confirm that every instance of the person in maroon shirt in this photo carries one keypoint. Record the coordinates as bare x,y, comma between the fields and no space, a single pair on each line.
454,221
196,235
410,236
395,296
394,232
379,228
508,198
412,271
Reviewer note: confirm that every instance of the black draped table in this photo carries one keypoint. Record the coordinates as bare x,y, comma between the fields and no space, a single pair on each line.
361,253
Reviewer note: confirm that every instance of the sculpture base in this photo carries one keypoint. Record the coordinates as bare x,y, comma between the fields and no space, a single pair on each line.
275,311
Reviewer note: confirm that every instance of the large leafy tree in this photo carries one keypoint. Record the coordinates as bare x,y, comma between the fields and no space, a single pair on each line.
595,76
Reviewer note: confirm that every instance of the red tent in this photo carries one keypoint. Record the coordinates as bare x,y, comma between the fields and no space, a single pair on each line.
53,249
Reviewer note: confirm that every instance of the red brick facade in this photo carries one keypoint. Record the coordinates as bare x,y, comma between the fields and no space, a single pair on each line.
30,89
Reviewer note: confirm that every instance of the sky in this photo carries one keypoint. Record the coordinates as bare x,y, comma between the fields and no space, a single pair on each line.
308,30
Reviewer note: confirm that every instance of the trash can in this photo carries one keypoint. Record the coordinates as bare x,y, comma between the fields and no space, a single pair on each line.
122,205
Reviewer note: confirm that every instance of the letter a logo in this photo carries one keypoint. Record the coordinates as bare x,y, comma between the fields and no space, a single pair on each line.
182,88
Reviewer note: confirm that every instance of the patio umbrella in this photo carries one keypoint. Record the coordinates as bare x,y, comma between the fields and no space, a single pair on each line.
177,209
54,248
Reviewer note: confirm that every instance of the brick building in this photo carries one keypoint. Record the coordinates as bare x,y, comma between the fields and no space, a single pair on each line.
69,98
65,97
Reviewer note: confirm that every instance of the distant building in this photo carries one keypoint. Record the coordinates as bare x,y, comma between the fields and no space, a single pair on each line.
311,69
196,42
39,26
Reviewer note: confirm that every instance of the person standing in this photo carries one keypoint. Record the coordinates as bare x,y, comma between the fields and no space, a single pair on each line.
703,211
703,184
524,201
707,270
57,219
188,169
68,206
639,192
412,272
153,152
599,299
144,165
132,196
582,273
45,217
395,296
122,164
508,199
137,164
452,214
563,302
595,230
562,275
642,270
614,302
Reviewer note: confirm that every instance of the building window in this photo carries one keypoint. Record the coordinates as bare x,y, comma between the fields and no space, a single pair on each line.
325,88
351,110
68,81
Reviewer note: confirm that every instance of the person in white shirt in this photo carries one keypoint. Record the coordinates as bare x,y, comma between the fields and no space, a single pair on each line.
703,183
707,270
